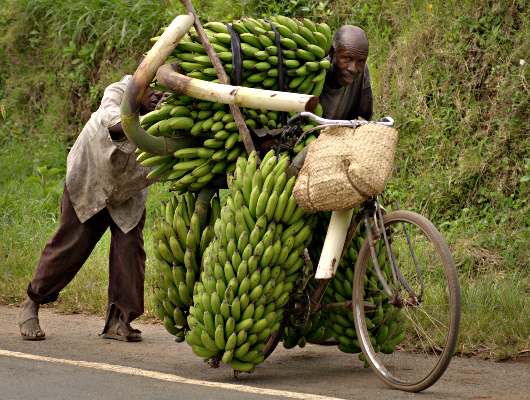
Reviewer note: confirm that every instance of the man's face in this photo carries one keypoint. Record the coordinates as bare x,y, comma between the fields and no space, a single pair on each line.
150,99
348,63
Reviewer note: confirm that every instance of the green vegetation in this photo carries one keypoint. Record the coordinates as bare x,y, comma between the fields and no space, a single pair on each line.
454,75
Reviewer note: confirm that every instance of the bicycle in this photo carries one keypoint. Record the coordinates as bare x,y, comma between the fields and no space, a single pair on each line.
419,260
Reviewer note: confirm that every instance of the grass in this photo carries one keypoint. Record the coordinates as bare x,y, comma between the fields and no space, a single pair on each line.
495,315
455,76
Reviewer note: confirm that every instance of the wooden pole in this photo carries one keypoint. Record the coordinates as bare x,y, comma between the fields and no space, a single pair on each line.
223,78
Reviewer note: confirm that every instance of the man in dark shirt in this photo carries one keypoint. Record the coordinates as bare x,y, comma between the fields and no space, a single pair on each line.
347,92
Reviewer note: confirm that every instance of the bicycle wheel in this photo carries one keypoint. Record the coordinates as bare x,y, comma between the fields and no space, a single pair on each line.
275,338
408,343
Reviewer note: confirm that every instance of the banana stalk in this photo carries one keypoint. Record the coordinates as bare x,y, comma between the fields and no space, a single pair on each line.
130,105
334,243
235,95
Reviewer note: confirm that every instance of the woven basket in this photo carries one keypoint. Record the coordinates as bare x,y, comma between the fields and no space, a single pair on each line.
345,166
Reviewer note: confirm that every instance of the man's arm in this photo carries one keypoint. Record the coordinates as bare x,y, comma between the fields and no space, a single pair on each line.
116,131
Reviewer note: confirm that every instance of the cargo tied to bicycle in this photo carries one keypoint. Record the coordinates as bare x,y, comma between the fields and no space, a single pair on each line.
277,228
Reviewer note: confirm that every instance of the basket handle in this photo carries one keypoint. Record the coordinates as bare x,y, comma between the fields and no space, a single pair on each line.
345,166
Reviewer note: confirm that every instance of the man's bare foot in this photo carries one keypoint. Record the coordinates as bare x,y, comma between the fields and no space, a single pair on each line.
29,321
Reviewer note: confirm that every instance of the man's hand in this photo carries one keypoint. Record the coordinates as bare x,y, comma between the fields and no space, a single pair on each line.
162,100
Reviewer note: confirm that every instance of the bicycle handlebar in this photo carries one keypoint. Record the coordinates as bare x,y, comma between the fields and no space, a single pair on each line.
388,121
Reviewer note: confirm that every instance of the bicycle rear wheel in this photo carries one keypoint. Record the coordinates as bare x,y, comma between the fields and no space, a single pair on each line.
408,343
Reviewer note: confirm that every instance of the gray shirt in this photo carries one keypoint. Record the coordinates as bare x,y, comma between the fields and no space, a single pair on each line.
349,102
102,172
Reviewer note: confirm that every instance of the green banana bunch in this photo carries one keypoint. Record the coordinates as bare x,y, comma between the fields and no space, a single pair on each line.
250,266
384,324
180,238
304,46
218,143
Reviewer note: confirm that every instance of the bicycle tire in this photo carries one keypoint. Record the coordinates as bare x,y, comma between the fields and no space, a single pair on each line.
424,335
275,338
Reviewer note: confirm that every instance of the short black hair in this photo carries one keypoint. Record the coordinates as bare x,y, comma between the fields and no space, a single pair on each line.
338,36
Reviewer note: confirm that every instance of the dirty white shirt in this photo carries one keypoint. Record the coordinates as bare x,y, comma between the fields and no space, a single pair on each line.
102,172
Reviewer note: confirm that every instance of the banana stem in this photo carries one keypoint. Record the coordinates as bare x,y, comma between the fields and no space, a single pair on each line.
297,163
333,245
240,96
130,105
202,205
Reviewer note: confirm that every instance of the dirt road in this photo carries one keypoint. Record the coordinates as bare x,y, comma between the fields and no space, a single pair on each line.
76,363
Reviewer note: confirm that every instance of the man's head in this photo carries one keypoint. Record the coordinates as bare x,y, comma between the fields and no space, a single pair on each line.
150,100
349,51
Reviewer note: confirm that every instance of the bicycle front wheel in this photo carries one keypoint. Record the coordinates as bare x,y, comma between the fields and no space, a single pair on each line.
408,340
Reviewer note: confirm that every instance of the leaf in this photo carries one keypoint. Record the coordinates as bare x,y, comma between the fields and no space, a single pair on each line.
52,171
525,178
42,169
33,179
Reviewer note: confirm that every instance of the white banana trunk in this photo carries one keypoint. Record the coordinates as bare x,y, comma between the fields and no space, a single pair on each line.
334,243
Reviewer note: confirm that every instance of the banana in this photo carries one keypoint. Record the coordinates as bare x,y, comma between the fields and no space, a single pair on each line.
289,44
261,204
241,350
157,115
270,206
239,27
241,366
248,312
194,152
224,38
217,27
318,51
244,325
252,40
308,34
236,309
245,284
208,342
203,351
265,41
258,326
256,293
322,41
299,40
155,161
191,66
241,337
282,299
305,55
